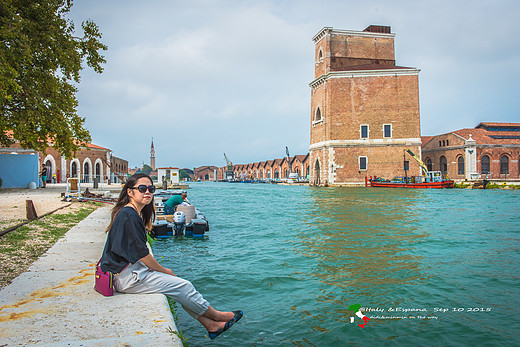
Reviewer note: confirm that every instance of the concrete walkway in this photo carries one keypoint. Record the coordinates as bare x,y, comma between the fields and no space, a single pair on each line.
54,303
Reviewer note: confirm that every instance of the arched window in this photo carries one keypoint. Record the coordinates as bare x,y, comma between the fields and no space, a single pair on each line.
460,165
504,165
444,165
86,172
317,116
74,170
320,55
48,164
484,165
429,164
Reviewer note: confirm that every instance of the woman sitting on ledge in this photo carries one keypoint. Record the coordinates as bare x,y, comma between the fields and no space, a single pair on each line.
127,255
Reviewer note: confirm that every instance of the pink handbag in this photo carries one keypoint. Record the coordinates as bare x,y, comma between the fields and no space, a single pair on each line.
104,281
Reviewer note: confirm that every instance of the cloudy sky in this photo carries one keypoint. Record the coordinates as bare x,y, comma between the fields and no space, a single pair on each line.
204,77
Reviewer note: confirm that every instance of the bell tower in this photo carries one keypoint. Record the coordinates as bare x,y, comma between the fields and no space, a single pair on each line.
152,156
364,108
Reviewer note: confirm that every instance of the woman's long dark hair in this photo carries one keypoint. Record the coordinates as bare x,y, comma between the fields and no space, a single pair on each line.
147,213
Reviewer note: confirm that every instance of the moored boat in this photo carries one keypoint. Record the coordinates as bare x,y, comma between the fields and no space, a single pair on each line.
187,220
409,184
431,179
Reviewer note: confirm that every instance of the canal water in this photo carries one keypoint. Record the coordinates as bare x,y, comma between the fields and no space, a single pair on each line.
428,267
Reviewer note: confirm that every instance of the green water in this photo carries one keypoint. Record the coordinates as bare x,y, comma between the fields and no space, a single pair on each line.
295,258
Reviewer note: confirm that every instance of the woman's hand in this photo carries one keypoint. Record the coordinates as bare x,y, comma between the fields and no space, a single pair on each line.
152,264
169,272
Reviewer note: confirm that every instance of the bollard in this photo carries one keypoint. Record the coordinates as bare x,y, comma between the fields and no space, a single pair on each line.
30,210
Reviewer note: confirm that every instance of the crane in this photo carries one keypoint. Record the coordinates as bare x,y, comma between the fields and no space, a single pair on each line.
230,174
288,159
416,157
119,175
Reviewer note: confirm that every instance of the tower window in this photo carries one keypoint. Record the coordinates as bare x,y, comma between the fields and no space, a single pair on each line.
364,131
387,130
320,55
363,163
317,116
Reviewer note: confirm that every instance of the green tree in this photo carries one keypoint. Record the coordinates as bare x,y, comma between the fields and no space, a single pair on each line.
146,169
183,174
40,64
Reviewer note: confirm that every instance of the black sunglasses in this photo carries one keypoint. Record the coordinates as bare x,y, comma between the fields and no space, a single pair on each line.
142,188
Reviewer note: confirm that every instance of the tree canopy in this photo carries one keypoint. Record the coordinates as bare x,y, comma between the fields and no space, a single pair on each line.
146,169
40,64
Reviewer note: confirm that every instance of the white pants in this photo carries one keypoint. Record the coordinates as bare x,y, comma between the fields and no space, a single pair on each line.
139,279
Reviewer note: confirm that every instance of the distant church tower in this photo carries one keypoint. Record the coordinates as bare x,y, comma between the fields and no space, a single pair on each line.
152,156
364,108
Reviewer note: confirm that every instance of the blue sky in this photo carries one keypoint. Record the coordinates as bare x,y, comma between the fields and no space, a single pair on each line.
206,77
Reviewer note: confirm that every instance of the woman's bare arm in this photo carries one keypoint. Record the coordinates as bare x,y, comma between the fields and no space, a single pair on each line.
150,261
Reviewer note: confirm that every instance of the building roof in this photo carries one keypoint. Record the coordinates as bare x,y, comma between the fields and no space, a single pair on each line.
426,139
93,146
486,133
370,67
496,124
484,137
301,157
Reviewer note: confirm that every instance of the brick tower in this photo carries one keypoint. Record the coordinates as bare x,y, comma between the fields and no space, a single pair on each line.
364,108
152,157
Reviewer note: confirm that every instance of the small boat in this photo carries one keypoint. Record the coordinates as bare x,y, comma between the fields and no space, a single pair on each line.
433,179
187,220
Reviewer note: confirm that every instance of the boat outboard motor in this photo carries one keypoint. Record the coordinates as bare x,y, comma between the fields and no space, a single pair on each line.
179,222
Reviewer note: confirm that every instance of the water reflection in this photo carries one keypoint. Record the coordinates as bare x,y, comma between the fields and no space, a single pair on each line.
361,242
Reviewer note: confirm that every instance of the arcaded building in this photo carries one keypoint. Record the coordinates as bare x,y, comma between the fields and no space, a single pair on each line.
364,108
490,150
90,162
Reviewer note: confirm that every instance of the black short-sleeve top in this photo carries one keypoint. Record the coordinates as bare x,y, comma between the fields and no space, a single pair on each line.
126,241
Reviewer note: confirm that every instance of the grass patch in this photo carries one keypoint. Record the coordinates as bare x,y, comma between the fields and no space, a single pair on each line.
179,333
461,185
21,247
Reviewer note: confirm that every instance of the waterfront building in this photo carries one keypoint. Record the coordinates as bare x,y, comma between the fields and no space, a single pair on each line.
269,169
206,173
490,150
364,108
171,174
89,163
